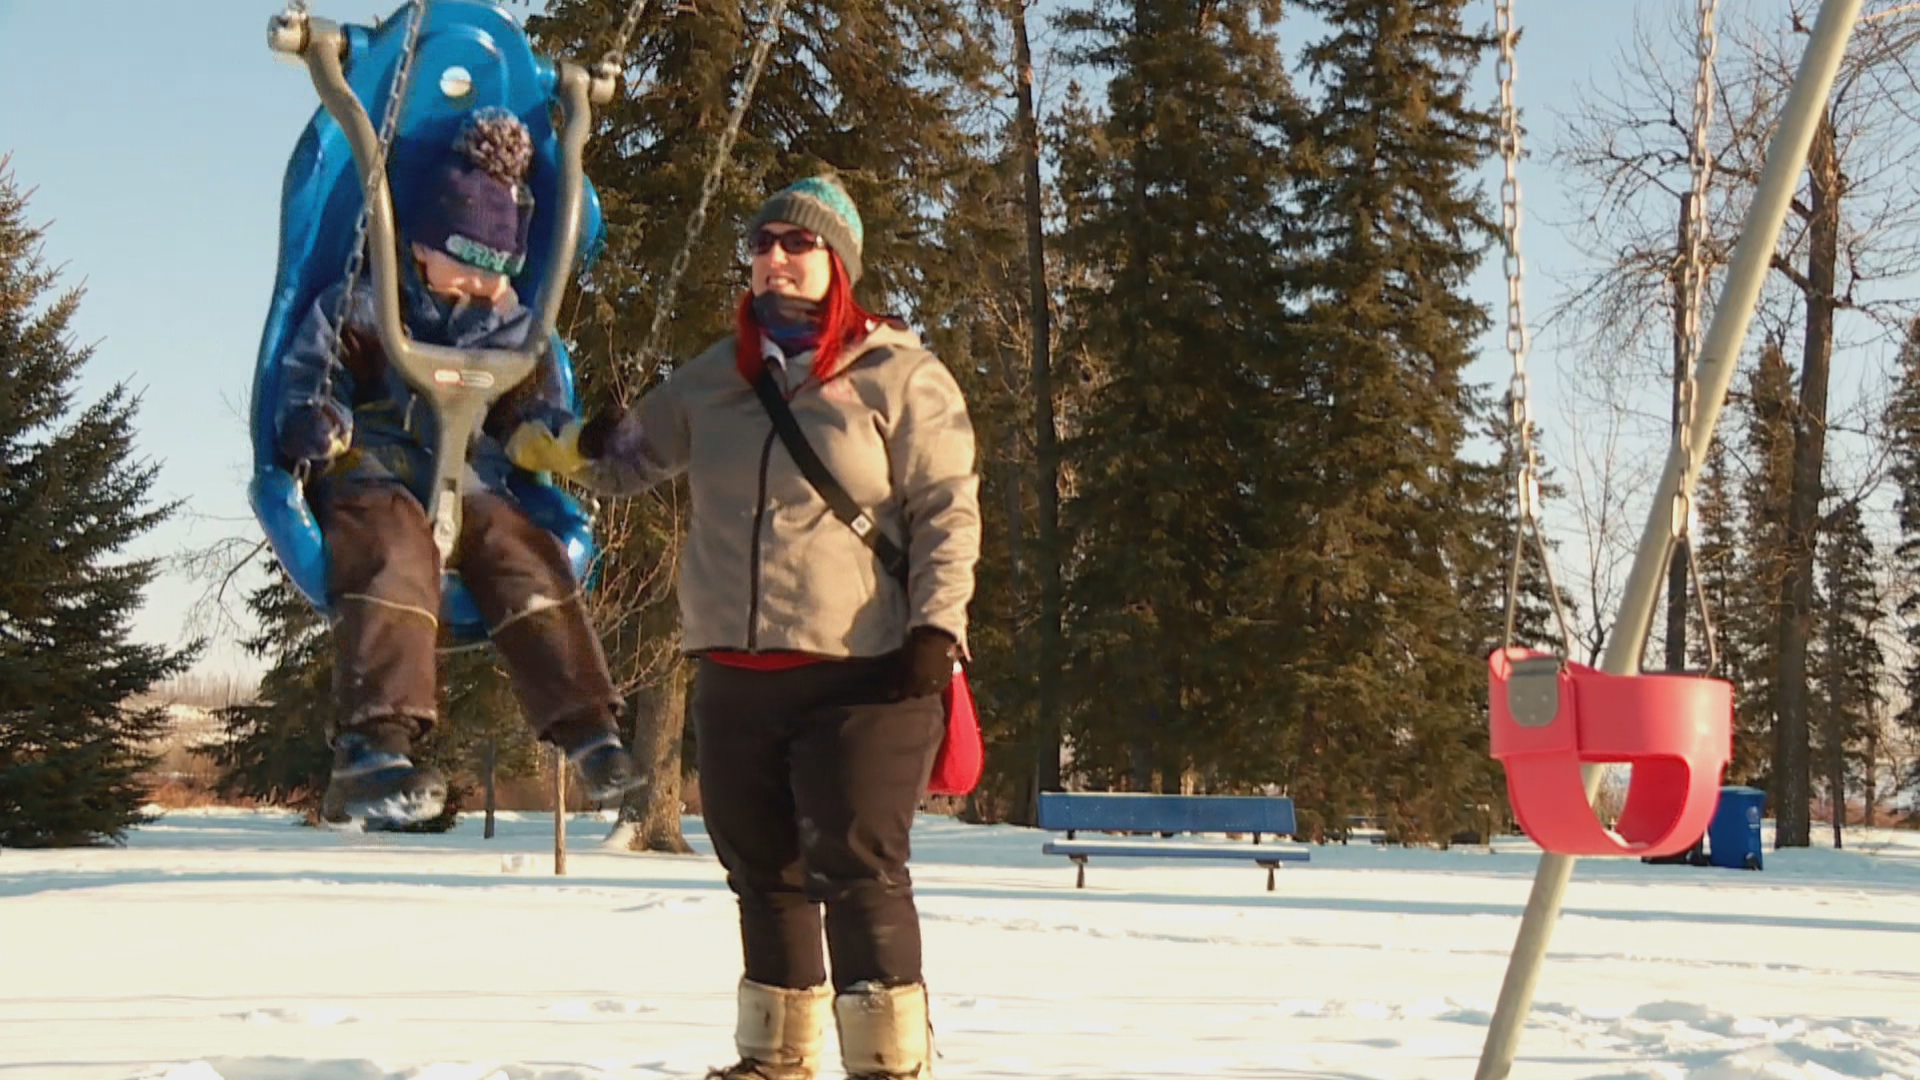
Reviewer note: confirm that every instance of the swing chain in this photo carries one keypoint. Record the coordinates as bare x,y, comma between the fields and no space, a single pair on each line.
710,184
1694,272
1694,277
616,55
389,127
1519,393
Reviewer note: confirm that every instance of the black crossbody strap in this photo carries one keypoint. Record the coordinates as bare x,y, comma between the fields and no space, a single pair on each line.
817,474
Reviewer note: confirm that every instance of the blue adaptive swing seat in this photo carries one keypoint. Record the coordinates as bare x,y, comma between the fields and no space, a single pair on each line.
470,54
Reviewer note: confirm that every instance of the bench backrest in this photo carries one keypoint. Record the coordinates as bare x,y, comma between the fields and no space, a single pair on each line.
1126,812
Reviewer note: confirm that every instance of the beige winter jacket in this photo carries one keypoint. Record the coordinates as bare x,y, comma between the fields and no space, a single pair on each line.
767,566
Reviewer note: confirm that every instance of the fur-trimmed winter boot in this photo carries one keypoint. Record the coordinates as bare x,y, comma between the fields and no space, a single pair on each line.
884,1033
780,1033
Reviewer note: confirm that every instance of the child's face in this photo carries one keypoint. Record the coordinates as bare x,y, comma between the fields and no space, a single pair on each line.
455,280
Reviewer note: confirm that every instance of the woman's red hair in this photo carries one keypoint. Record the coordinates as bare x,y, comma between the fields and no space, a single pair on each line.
842,322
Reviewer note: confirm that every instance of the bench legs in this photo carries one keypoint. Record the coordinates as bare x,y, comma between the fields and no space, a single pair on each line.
1080,871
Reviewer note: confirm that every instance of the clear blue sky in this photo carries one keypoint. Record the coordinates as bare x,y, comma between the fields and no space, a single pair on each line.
154,136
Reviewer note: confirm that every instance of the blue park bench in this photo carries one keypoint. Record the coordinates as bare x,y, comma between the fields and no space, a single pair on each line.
1167,815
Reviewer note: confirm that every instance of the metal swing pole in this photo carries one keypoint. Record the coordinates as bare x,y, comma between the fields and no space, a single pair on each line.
1719,356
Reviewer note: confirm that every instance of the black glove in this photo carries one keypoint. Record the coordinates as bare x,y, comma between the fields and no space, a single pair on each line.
595,433
926,663
317,432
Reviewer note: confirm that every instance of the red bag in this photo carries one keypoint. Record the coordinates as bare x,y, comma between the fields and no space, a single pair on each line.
957,768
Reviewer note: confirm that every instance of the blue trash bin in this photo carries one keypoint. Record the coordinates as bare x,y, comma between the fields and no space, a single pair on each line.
1733,838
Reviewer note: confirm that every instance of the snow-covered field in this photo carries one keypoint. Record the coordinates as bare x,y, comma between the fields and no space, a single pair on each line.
226,945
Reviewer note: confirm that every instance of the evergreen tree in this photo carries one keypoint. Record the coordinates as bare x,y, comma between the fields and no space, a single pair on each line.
994,324
1721,562
1850,663
1049,560
275,748
887,116
1716,551
1490,495
72,496
1903,427
481,718
1173,199
1393,222
980,325
1752,632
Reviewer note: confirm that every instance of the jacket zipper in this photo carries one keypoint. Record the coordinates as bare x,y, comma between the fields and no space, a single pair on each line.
753,570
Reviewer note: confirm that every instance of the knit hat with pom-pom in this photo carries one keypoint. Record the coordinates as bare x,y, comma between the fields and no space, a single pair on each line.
821,205
479,207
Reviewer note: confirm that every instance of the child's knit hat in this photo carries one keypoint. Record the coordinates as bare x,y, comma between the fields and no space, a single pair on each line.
479,206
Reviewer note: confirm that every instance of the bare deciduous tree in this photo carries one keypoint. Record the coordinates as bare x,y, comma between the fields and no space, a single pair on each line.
1852,237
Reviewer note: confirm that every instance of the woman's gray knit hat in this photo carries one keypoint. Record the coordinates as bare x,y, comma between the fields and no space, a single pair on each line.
820,205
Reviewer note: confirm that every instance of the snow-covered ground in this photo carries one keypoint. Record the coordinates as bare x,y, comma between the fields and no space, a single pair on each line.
225,945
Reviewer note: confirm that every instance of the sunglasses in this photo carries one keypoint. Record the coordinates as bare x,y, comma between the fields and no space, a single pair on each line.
794,242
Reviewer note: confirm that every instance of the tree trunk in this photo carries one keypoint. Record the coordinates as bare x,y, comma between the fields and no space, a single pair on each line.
1048,557
650,815
1026,800
1677,557
1140,752
1146,721
1792,767
488,762
1147,715
1834,730
559,811
1873,765
1837,784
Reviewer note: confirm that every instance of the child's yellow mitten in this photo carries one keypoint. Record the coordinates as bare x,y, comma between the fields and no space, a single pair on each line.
535,448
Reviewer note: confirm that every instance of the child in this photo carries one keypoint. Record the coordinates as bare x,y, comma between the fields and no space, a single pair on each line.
366,437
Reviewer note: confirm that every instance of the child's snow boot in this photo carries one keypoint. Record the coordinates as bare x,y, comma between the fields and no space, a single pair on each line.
375,784
592,743
605,767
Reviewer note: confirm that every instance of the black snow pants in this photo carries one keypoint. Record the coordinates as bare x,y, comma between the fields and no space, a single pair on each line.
809,781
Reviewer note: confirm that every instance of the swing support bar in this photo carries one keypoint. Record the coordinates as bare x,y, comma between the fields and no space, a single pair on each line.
461,383
1719,355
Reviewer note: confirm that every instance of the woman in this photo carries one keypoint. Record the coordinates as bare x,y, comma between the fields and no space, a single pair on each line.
816,693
